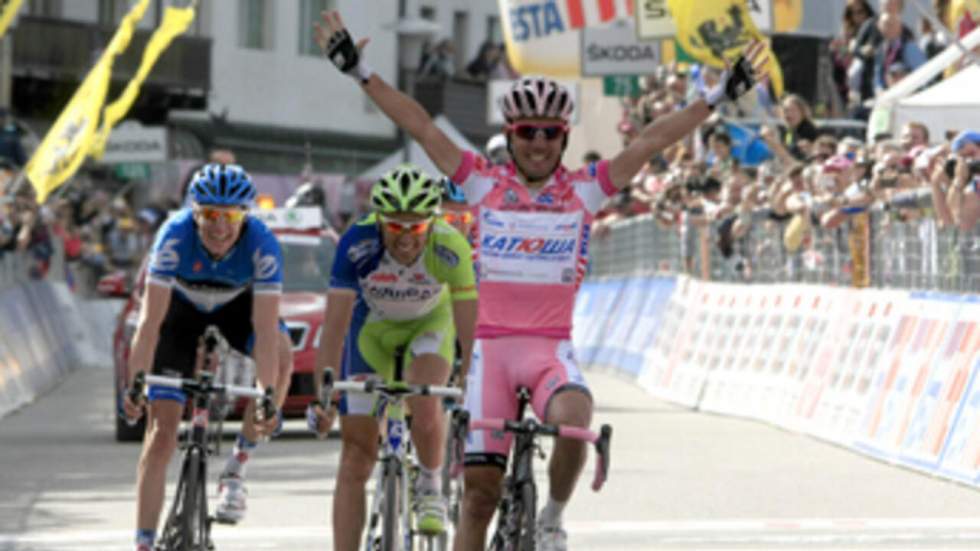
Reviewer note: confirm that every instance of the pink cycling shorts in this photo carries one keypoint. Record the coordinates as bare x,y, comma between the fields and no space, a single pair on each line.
501,365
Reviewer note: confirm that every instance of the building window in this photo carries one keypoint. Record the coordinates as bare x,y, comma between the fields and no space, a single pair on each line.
309,14
494,33
255,24
461,27
428,13
45,8
111,12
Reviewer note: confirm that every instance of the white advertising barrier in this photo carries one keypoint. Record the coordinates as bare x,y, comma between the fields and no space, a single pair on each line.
922,385
736,326
669,371
861,316
650,304
619,324
31,364
594,303
901,382
891,374
958,412
44,335
656,370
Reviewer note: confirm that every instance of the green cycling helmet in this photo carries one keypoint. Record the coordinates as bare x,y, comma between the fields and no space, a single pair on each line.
406,189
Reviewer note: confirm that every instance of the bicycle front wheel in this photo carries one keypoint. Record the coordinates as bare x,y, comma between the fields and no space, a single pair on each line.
526,517
391,473
194,517
186,525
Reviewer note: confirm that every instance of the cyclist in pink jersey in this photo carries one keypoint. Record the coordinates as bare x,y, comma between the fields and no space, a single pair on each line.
533,218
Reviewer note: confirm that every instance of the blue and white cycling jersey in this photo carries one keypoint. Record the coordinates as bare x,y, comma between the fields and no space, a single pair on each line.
179,260
388,290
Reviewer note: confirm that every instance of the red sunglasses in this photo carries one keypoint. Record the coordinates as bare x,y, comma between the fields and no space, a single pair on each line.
529,131
464,217
414,228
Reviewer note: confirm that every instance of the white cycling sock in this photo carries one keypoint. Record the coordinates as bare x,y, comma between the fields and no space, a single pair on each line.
551,513
430,480
243,449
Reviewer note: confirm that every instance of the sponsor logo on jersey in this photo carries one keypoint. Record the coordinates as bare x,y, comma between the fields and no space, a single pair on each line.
166,257
403,294
266,266
529,245
491,219
363,249
546,199
510,196
584,248
383,277
197,267
419,277
447,255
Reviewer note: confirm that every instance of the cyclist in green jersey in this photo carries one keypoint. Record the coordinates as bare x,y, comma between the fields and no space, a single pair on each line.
402,279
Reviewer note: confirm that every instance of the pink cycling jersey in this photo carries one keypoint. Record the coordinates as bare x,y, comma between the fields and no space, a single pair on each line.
533,247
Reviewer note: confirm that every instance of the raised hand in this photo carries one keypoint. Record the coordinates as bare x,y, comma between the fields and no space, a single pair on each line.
739,77
339,47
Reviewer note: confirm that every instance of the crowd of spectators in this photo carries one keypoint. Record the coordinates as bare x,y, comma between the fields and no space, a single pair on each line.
809,178
97,233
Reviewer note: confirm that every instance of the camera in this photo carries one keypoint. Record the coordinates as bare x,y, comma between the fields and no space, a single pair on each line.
973,166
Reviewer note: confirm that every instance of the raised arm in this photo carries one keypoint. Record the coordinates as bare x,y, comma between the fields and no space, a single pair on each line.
664,131
403,110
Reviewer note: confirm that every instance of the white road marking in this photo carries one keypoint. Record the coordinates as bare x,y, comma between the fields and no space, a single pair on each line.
786,531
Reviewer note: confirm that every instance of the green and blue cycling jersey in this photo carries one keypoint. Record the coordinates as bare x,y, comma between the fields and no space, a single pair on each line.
397,306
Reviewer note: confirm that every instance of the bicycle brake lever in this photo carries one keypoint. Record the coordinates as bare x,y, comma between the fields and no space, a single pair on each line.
602,448
135,395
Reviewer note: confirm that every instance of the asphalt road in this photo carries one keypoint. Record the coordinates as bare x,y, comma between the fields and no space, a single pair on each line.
680,480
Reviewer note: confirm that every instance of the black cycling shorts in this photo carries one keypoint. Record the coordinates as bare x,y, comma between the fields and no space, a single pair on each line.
184,325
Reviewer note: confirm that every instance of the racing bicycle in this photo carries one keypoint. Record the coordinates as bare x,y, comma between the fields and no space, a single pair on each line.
517,510
391,522
188,524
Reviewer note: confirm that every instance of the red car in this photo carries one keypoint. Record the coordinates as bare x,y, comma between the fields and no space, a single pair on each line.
308,252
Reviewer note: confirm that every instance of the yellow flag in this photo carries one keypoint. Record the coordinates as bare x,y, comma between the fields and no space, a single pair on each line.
175,22
713,31
68,141
8,9
963,16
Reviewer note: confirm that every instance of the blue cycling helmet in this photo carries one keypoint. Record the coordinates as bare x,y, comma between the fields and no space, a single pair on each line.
222,185
452,192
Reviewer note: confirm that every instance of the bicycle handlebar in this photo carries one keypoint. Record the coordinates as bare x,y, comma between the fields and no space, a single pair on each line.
206,387
390,389
600,441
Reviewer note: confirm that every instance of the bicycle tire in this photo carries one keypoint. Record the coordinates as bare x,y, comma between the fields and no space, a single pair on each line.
389,521
526,519
191,526
501,539
178,533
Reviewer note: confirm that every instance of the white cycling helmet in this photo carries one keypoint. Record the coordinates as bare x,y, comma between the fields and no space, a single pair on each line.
536,97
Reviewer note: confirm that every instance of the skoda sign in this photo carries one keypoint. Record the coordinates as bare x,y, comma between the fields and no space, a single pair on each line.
614,50
132,142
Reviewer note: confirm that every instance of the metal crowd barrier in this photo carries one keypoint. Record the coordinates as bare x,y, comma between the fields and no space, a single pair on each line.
906,254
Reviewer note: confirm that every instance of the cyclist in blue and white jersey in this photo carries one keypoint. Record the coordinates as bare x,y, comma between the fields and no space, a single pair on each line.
211,264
